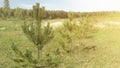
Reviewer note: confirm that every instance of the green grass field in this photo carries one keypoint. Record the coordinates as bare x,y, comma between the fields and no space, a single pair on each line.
105,55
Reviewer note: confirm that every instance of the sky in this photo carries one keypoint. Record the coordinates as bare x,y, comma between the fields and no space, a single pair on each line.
69,5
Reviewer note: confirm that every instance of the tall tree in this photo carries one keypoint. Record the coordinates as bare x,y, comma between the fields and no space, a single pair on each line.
6,4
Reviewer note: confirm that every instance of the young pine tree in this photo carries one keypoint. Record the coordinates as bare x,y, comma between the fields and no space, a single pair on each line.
68,34
38,34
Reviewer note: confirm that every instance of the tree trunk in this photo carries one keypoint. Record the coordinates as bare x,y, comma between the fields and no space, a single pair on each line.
38,53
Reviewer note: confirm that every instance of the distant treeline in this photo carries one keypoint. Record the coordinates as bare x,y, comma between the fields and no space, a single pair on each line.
49,14
25,13
100,13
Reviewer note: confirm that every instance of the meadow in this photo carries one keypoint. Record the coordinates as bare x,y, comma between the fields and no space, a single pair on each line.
106,41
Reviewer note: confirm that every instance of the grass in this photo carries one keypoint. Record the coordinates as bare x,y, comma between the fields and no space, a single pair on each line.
106,40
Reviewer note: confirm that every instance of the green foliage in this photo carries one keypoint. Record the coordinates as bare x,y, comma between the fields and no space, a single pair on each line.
72,31
70,26
44,36
24,60
53,60
68,35
38,12
86,29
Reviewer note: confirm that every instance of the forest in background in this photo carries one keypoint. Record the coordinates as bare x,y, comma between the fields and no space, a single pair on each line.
7,12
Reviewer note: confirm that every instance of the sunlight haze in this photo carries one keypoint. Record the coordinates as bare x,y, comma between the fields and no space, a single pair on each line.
69,5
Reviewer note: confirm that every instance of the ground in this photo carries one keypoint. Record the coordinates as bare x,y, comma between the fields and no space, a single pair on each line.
106,40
